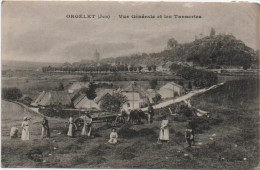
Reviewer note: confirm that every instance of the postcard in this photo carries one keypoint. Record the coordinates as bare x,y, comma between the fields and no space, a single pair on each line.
130,85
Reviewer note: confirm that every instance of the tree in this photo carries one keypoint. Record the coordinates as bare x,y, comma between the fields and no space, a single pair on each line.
149,68
189,85
172,43
212,32
181,83
11,93
91,92
140,68
61,87
157,98
113,103
154,67
153,84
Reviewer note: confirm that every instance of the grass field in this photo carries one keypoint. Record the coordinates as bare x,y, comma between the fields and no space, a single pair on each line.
230,144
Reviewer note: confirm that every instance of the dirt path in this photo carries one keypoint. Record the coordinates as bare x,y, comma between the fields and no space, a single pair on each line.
182,98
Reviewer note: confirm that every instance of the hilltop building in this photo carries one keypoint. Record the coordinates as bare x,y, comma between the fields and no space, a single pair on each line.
97,56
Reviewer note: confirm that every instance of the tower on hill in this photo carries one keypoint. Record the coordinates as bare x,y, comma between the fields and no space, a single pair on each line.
97,56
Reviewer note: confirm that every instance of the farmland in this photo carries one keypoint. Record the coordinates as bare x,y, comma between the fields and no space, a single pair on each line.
231,142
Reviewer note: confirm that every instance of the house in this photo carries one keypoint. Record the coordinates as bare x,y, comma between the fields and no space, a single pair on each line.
144,68
77,85
170,90
165,67
82,102
52,98
151,94
103,94
136,96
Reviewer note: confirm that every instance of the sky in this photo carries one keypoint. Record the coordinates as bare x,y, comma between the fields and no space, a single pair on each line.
40,31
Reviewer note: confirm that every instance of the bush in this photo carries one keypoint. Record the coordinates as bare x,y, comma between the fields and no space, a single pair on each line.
11,93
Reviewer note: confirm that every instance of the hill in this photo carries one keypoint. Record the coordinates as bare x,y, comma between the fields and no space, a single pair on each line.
219,50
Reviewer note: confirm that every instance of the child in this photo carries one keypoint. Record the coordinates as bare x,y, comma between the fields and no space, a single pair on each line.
113,137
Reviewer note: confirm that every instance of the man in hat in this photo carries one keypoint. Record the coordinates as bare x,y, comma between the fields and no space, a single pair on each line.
189,134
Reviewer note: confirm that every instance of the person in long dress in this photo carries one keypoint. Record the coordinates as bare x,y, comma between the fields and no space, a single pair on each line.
113,137
71,127
25,130
87,128
45,128
164,132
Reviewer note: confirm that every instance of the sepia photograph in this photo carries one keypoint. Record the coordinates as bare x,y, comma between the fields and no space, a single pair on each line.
130,85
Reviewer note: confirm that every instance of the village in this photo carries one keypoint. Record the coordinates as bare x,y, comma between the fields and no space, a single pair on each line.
121,105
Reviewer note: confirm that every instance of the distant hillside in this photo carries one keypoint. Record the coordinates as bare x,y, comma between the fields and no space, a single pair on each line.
24,65
219,50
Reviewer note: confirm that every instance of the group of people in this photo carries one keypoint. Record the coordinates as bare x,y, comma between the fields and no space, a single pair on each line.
26,129
87,129
164,133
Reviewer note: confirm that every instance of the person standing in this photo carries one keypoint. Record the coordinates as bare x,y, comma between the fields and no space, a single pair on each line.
113,137
189,135
45,128
164,132
150,113
87,128
71,127
25,130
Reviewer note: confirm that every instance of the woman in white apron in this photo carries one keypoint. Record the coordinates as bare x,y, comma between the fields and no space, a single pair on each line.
25,131
164,132
71,124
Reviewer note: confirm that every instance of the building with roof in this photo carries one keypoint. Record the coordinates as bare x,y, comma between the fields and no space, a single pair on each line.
103,94
166,67
53,98
77,85
136,96
171,90
83,103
